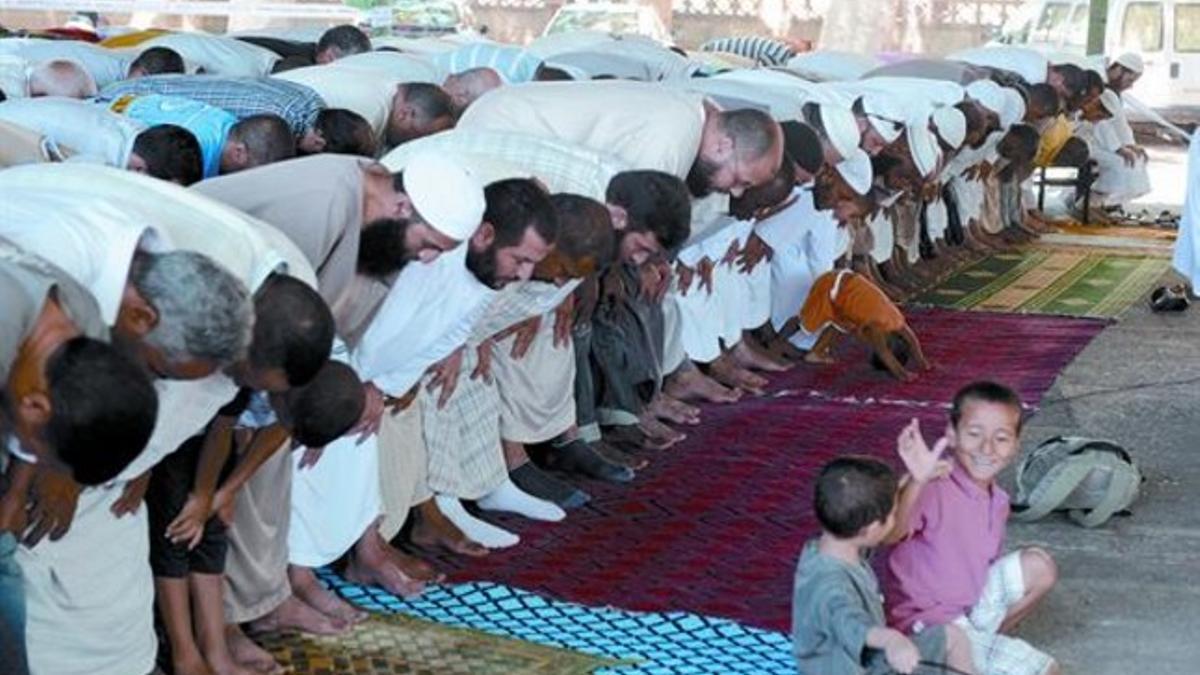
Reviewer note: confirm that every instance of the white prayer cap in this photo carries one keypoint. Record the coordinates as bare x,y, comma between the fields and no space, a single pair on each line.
951,125
1111,102
445,194
989,94
857,172
1132,62
923,147
1014,108
885,112
841,128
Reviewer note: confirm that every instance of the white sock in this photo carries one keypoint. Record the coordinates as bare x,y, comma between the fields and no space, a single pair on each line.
509,497
486,534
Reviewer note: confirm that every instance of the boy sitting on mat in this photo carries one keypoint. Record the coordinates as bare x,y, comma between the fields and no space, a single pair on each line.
949,567
843,301
837,611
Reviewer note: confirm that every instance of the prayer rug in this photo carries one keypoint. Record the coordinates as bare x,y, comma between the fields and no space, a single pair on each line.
399,644
649,643
1050,281
714,526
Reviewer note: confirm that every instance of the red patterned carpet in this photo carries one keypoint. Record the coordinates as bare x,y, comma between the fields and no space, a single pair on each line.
715,526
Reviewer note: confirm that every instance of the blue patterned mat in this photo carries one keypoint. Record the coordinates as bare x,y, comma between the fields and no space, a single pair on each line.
662,643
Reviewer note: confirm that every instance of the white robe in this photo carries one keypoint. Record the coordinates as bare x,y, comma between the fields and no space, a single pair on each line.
1187,247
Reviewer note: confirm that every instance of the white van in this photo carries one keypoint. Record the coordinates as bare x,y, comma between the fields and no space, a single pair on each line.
1165,32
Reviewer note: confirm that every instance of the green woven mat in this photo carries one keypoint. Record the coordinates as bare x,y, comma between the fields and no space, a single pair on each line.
1069,282
393,644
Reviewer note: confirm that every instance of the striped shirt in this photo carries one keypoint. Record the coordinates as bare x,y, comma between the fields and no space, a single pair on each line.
297,104
765,51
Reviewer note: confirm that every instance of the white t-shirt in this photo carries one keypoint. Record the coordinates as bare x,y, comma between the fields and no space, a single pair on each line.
366,92
105,65
217,55
83,130
1029,64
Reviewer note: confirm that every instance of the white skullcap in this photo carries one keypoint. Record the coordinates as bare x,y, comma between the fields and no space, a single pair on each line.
923,147
841,129
951,125
857,172
445,194
989,94
1111,102
885,113
1014,108
1132,62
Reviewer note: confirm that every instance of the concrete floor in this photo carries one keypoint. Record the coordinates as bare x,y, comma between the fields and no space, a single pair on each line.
1128,599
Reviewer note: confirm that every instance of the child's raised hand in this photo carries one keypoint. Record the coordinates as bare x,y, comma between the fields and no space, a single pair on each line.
902,655
923,464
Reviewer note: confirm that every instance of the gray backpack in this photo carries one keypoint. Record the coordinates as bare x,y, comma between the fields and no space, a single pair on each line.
1090,479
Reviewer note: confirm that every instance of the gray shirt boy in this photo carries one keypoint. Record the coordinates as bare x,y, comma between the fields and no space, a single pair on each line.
834,604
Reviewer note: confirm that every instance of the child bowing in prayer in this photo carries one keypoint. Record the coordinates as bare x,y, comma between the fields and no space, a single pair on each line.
843,301
189,514
949,567
837,611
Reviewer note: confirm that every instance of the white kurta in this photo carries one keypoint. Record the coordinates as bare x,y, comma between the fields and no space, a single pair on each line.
1116,182
806,242
85,131
215,54
104,65
365,91
1030,64
1187,247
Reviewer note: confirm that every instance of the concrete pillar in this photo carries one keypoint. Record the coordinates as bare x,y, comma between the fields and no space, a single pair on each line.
1097,23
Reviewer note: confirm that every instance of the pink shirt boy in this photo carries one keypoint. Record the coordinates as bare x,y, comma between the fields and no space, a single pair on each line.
938,573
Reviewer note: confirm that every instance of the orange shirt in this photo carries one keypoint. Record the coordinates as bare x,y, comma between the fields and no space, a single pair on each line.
848,301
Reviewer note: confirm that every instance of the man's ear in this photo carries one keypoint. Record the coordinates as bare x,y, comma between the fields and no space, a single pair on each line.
34,408
136,316
620,217
404,206
239,156
484,237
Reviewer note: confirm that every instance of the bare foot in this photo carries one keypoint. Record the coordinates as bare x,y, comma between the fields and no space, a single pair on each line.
691,385
309,591
782,348
432,530
247,653
822,359
751,359
223,663
194,665
725,371
620,457
659,434
374,563
295,614
671,410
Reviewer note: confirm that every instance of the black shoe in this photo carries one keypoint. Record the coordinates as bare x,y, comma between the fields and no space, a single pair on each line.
579,458
544,486
1169,299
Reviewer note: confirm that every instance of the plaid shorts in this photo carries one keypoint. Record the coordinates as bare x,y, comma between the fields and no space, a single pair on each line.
993,653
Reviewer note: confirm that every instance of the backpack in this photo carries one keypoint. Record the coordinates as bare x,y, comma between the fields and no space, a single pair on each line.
1090,479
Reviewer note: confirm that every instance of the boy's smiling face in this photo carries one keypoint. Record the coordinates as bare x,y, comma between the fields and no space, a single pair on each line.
987,439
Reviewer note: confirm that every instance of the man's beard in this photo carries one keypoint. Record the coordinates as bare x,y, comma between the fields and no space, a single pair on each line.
699,178
381,251
483,265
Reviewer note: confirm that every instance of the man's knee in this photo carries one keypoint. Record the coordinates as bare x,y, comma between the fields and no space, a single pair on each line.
1039,570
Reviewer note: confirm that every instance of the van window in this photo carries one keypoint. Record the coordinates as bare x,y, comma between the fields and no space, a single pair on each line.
1052,23
1077,33
1142,28
1187,28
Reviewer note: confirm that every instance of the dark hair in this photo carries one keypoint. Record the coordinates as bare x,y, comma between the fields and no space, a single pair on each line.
852,492
346,39
516,204
1045,97
655,201
103,409
431,102
547,73
753,131
899,348
327,407
171,153
158,61
293,329
584,229
267,137
346,133
802,143
3,96
1075,79
1026,141
985,392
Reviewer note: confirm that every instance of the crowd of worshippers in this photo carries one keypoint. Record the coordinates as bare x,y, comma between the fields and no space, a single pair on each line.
272,306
